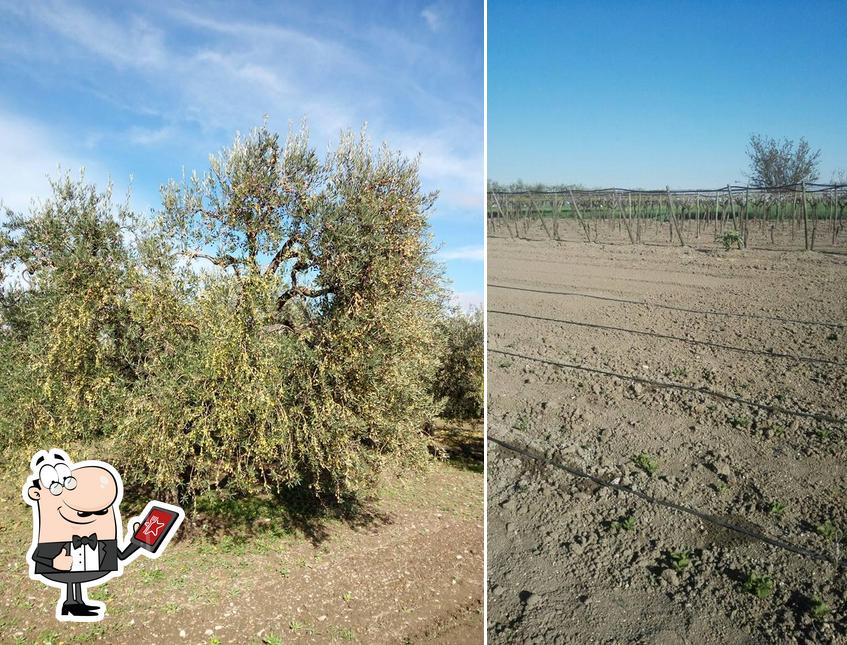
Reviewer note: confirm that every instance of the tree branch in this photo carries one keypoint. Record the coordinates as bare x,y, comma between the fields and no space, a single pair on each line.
306,292
281,256
222,261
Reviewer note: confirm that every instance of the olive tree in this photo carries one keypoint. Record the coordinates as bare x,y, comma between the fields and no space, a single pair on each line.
65,320
459,382
316,342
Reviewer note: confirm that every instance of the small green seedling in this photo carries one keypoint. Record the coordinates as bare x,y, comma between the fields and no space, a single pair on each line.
760,586
730,238
818,608
626,523
679,373
646,463
777,508
522,423
823,433
739,421
347,596
679,561
827,530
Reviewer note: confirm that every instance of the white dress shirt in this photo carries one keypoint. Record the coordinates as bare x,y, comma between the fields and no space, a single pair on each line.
85,558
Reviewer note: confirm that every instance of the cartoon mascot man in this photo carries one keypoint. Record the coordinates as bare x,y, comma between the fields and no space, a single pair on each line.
76,533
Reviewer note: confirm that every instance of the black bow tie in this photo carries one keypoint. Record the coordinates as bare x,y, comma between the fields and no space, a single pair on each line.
91,541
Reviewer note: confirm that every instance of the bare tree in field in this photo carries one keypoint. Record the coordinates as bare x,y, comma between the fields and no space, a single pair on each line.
777,163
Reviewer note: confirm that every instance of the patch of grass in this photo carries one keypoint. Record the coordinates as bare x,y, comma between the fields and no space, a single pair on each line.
759,585
778,430
272,639
93,633
152,575
50,637
645,462
823,433
214,640
679,560
347,596
504,364
338,632
679,373
827,530
740,421
99,593
171,607
818,608
777,508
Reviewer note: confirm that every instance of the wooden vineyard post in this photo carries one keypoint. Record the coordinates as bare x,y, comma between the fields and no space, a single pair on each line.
805,219
554,205
579,217
490,230
503,214
697,213
540,216
674,223
625,221
744,221
834,214
732,207
773,223
793,213
637,217
717,207
814,225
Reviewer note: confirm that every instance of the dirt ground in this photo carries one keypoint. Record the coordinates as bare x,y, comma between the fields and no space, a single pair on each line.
574,562
407,567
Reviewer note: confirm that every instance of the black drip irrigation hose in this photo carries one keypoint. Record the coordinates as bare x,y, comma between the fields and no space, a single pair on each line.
818,416
709,312
534,455
690,341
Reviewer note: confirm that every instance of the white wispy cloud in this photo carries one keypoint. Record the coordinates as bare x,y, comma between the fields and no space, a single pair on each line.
28,154
31,154
136,44
474,253
466,300
431,17
245,68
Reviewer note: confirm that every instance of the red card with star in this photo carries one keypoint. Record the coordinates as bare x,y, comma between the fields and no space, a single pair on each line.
154,528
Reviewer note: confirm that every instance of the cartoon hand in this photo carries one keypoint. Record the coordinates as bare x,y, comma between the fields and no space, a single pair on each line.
63,561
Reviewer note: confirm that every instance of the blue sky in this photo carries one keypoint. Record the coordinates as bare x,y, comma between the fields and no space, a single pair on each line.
141,90
644,94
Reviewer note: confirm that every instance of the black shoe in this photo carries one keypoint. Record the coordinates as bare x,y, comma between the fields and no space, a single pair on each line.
78,609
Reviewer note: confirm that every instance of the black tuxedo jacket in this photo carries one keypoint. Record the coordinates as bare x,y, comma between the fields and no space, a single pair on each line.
46,551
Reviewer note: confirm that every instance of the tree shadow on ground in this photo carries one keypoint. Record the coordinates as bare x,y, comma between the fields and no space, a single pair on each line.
221,518
459,444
